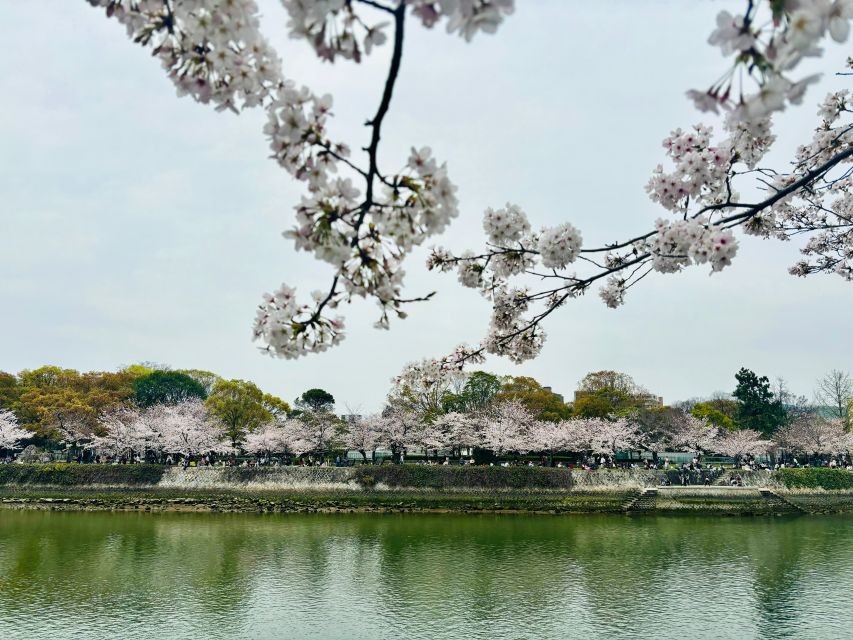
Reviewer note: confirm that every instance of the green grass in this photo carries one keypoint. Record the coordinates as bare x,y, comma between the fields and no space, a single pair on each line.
300,501
816,478
72,474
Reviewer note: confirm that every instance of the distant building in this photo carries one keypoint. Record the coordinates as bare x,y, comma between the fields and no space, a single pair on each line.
559,395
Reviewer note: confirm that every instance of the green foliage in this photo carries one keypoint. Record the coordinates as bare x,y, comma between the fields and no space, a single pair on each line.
816,478
9,391
601,380
718,412
71,474
479,390
50,398
206,379
541,402
240,405
420,476
609,393
757,407
316,400
166,387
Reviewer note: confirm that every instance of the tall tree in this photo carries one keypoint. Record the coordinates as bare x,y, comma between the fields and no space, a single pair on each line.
608,379
720,412
543,403
239,405
167,387
758,408
835,390
479,390
316,400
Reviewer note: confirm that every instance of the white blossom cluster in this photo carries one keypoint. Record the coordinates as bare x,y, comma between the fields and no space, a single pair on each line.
333,28
214,51
700,170
186,428
465,17
613,292
825,210
693,241
290,330
211,49
767,42
510,333
559,245
10,433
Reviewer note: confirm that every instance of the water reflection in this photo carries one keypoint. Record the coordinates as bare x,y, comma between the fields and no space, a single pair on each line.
66,575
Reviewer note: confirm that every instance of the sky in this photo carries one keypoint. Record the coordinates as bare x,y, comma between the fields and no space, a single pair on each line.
136,226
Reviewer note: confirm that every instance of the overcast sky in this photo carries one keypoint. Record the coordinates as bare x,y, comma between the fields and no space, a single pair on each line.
136,226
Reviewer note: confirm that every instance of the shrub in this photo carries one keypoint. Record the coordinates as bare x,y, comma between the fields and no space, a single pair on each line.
71,474
816,478
463,477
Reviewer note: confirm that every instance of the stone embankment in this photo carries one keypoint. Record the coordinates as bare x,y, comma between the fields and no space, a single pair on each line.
400,488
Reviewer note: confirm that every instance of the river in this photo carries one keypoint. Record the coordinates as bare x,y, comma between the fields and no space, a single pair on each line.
179,575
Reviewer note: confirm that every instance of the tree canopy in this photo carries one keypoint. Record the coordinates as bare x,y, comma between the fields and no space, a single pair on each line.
543,403
758,409
241,406
166,387
316,400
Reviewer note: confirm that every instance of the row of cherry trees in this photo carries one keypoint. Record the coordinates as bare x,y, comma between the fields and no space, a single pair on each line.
187,429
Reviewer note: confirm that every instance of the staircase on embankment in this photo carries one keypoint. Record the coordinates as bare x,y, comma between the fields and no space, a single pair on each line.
646,500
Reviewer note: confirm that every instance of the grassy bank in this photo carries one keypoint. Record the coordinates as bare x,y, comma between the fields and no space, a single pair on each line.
416,488
153,499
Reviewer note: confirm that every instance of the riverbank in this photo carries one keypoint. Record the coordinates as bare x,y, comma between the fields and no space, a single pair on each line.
406,488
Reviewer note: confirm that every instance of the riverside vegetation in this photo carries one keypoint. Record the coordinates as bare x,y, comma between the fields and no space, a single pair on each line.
416,488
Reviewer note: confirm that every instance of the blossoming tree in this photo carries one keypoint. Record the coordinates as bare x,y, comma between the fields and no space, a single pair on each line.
744,442
186,429
507,427
814,435
693,434
126,432
363,217
10,433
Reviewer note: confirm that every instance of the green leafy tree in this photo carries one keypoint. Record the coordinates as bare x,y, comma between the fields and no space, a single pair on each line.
479,390
543,403
316,400
275,405
240,406
605,402
609,380
757,408
54,402
719,412
166,387
206,379
9,390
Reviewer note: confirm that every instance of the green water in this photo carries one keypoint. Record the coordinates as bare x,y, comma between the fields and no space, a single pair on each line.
99,575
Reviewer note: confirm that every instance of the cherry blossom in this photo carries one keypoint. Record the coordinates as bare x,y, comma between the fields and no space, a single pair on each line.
278,436
185,428
362,435
10,433
507,427
693,434
126,433
814,435
362,219
744,442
